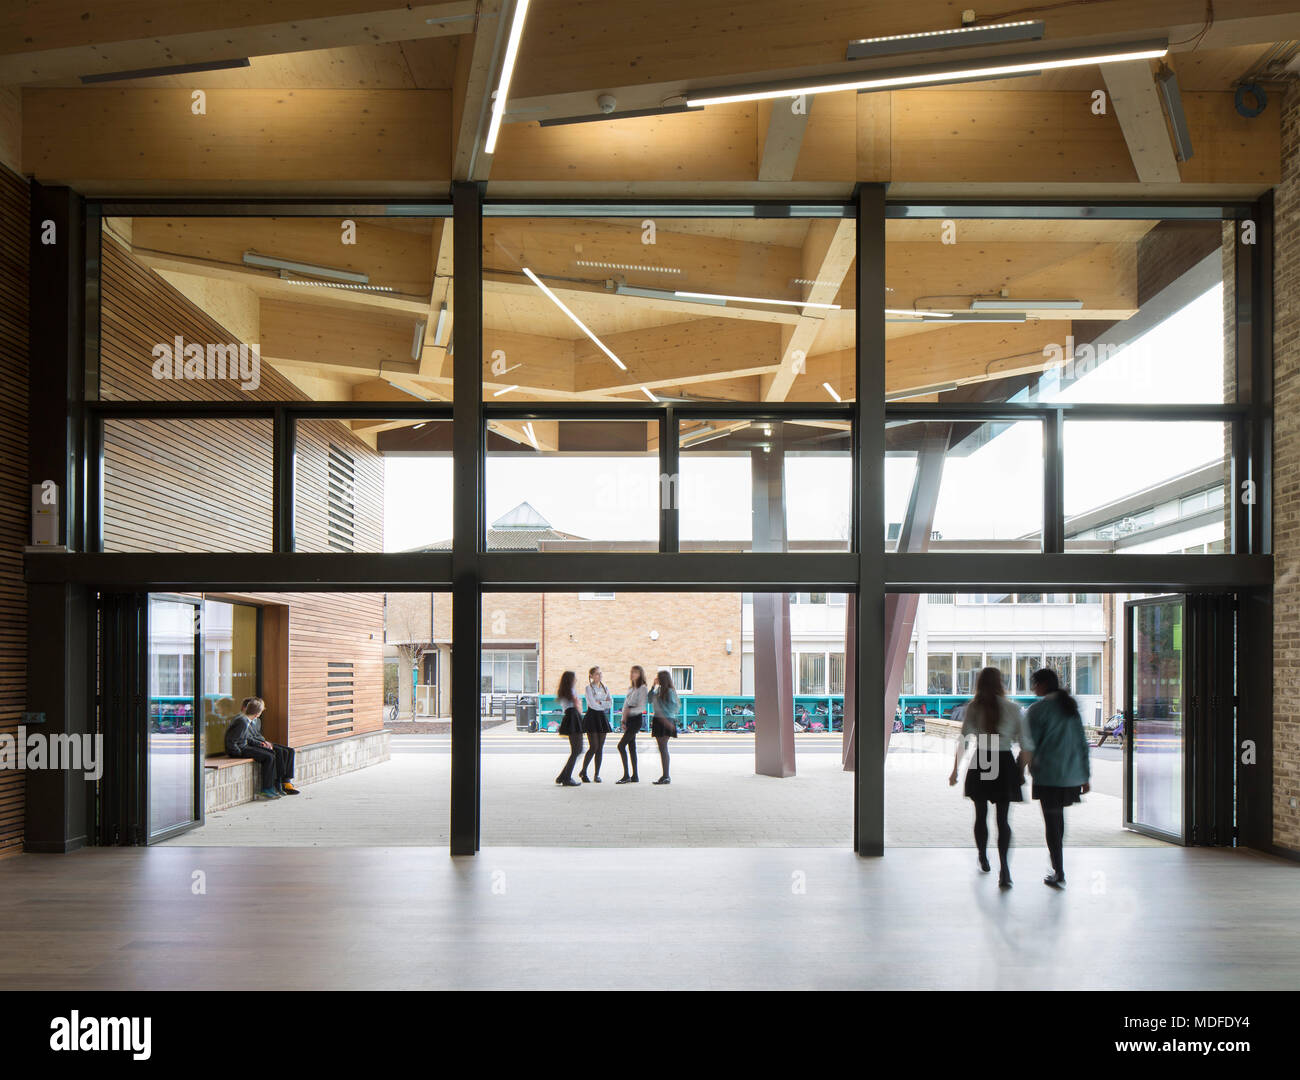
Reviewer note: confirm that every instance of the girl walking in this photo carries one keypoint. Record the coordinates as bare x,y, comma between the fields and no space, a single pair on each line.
666,706
596,722
570,725
1060,765
994,776
633,721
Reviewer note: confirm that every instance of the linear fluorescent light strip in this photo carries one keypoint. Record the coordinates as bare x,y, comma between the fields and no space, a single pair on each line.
505,390
532,435
751,300
918,312
624,289
628,266
1026,30
441,325
507,71
335,284
1002,304
269,262
646,390
984,68
417,342
831,390
573,318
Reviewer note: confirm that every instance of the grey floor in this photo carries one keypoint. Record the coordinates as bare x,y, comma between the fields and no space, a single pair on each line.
714,801
668,918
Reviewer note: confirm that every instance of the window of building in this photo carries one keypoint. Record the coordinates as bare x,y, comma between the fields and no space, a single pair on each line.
909,673
812,673
939,673
837,673
968,668
1060,663
1026,665
596,596
683,679
1002,661
1087,673
508,671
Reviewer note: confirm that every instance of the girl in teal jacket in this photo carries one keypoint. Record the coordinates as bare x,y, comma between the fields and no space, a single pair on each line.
1059,764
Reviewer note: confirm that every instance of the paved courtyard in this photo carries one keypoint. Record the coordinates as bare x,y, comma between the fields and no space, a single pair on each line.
715,800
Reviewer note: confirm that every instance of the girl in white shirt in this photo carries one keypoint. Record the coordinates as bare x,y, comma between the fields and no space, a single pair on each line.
566,698
595,722
633,721
995,775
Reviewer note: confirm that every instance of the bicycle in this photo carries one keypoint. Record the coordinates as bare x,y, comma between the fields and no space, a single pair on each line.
1113,730
390,707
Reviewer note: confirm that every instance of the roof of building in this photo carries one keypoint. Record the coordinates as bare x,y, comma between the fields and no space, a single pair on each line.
522,528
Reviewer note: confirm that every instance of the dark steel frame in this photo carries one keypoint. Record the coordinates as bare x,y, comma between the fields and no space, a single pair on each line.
866,571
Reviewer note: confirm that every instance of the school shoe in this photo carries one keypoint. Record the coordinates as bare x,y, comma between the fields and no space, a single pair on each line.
663,780
288,789
569,781
984,863
269,793
1004,879
1054,879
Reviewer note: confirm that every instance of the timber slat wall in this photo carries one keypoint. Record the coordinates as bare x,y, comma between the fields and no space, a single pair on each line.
15,496
205,485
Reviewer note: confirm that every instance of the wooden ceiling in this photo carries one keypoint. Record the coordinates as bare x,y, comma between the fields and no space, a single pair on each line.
380,97
375,98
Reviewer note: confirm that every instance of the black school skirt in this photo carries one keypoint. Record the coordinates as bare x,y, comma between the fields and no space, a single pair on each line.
596,720
1054,798
994,785
659,729
572,722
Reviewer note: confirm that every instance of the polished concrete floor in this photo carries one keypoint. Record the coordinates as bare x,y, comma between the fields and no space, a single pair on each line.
680,918
714,801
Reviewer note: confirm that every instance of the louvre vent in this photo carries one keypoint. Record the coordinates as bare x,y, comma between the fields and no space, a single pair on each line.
339,702
342,500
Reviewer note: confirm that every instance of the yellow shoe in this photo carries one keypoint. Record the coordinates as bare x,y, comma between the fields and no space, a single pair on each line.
289,789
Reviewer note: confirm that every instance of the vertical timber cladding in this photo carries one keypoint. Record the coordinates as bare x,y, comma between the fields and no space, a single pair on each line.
15,497
205,485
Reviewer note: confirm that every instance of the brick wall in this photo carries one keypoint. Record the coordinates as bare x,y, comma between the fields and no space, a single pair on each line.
1286,484
693,629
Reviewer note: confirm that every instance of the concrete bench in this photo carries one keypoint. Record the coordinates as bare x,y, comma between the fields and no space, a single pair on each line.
231,781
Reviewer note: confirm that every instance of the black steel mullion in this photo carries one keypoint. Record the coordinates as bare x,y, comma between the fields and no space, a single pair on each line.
283,445
868,528
1072,410
669,481
1054,482
468,442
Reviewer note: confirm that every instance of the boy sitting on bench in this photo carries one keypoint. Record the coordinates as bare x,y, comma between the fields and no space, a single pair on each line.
244,739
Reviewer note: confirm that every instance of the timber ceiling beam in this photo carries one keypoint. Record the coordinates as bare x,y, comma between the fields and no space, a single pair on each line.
1136,102
59,39
313,337
826,258
477,69
786,123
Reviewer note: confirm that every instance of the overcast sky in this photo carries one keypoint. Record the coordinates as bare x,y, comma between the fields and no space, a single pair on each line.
993,493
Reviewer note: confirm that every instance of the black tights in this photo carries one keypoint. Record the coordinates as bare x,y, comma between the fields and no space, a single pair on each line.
626,748
575,748
1003,808
595,748
1054,826
662,740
